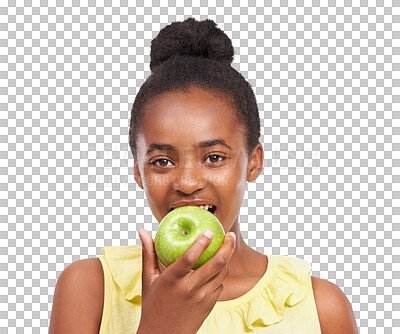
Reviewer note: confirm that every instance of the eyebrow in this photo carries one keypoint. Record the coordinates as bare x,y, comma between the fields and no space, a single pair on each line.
202,144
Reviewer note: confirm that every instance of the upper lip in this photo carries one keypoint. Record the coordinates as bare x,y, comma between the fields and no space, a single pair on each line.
195,202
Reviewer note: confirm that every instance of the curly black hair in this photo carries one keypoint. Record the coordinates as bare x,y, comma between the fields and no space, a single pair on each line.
196,53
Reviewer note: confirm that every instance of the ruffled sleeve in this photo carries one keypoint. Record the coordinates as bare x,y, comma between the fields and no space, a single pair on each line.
284,284
125,263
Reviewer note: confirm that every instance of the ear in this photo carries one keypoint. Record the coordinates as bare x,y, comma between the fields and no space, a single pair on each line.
256,163
138,177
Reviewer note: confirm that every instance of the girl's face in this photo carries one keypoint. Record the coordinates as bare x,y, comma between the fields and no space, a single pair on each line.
191,148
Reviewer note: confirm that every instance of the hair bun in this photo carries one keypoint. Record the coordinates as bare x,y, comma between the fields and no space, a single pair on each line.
191,38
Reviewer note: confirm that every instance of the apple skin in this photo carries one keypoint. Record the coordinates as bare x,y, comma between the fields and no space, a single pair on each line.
171,241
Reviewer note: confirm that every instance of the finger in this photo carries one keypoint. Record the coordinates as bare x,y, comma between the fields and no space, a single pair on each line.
213,285
215,295
218,261
185,263
150,269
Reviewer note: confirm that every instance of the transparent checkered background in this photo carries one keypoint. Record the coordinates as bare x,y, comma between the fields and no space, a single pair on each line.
327,78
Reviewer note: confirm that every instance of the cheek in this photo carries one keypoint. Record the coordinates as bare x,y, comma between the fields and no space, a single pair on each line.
154,185
237,185
154,181
156,190
239,175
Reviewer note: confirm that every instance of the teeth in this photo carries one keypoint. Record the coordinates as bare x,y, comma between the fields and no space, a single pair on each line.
205,207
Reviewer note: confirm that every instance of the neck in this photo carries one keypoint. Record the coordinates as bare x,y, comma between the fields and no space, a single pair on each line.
246,267
245,261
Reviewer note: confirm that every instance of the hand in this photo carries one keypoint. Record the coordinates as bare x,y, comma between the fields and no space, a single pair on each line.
179,297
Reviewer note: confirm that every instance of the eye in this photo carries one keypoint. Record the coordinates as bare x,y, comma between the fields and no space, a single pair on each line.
163,162
214,158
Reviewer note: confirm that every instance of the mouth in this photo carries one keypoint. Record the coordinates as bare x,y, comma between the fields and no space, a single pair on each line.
209,207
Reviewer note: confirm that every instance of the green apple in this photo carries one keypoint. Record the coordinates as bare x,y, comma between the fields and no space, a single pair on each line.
180,228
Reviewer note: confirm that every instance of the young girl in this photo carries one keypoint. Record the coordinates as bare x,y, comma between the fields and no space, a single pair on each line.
194,136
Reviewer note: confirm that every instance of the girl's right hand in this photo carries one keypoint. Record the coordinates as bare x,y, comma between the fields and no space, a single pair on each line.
179,299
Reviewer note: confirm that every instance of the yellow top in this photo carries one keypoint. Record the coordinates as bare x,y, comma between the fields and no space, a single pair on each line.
281,302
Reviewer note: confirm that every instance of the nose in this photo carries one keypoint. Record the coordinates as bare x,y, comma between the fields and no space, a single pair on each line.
189,179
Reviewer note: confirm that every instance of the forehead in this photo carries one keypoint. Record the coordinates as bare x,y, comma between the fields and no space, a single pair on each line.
187,118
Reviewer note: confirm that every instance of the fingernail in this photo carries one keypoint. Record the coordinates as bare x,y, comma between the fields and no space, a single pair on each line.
233,235
208,234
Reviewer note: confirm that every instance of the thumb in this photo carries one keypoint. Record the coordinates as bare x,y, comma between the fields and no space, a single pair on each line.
150,269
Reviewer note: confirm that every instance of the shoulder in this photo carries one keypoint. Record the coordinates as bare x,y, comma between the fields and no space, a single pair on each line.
334,309
78,298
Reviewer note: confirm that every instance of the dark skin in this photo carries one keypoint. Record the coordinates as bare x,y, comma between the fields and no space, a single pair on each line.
217,172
